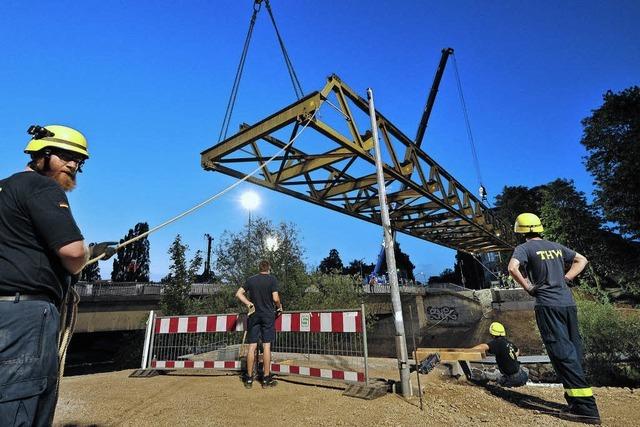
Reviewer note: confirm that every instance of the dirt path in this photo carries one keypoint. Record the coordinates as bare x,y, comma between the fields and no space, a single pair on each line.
211,400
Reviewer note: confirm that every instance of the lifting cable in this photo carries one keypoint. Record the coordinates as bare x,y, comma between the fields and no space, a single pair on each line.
297,87
236,81
69,308
215,196
476,163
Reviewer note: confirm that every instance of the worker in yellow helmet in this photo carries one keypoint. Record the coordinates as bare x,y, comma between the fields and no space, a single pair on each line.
41,247
509,373
538,265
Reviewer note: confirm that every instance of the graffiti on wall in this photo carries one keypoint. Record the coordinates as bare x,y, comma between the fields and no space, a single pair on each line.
443,313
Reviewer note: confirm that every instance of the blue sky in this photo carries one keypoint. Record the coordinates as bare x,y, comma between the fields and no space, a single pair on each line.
148,83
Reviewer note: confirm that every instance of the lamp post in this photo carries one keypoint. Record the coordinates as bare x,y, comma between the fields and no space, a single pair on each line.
249,200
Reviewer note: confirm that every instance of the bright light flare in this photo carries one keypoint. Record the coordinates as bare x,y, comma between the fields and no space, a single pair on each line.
271,243
250,200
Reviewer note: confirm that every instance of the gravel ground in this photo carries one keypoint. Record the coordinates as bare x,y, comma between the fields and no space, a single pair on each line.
199,399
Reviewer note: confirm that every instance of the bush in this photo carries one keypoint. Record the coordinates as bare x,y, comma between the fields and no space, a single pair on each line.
611,344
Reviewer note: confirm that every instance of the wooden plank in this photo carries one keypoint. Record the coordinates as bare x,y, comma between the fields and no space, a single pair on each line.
450,354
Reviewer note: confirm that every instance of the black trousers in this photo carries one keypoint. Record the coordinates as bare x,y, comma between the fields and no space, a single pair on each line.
559,330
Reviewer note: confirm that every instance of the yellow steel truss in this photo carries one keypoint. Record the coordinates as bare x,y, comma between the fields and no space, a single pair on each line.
334,168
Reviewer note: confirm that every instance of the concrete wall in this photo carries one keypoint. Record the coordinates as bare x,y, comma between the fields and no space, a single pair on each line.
444,318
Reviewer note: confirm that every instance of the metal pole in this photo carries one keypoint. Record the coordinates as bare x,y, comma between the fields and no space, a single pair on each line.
366,348
147,340
415,354
401,341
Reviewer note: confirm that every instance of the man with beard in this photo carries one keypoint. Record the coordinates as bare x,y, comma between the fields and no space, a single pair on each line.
41,247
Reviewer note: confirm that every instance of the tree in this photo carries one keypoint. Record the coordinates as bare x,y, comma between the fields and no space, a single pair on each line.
332,263
569,219
469,270
238,255
132,261
447,276
359,268
515,200
90,273
612,138
175,297
403,264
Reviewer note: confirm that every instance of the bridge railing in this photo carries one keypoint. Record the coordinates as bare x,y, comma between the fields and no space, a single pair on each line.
103,289
88,289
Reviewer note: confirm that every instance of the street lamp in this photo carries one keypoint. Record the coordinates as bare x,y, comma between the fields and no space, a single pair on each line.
271,243
250,200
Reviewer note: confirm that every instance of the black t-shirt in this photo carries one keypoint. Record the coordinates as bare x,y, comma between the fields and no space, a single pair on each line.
505,352
35,221
260,288
544,263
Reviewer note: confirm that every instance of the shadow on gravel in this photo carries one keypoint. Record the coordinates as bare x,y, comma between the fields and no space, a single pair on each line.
526,401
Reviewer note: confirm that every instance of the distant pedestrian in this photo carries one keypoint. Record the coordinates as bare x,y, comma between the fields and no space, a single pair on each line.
41,247
509,373
260,295
372,282
543,262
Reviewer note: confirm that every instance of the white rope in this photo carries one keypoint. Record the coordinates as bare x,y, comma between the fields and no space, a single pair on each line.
212,198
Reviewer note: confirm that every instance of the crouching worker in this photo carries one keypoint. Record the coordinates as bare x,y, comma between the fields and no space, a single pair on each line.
509,372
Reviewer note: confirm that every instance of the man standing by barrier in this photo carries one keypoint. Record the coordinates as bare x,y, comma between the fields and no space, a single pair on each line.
263,306
556,312
40,248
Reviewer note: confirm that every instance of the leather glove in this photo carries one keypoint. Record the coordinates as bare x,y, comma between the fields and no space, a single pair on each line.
106,248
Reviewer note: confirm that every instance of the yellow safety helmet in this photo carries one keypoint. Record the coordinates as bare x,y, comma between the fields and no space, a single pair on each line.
528,223
56,136
497,329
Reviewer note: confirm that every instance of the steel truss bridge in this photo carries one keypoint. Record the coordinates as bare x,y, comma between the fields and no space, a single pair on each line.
331,163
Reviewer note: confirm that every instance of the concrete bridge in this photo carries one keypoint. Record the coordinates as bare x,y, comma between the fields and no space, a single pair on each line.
125,307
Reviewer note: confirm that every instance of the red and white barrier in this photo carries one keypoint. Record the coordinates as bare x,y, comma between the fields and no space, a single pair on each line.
329,374
196,324
196,364
177,342
337,321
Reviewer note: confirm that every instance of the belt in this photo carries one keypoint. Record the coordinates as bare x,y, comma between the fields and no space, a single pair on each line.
17,297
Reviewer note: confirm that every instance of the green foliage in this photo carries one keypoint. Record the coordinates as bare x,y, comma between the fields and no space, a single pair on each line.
358,268
175,298
515,200
329,291
612,353
403,264
568,219
612,138
132,262
332,263
223,301
238,254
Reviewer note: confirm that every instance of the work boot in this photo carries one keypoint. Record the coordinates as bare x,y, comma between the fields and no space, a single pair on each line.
567,414
248,381
268,381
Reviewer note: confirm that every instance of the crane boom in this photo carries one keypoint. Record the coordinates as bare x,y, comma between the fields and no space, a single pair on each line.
422,127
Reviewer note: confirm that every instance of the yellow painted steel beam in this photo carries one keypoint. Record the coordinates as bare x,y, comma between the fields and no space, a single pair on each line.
432,205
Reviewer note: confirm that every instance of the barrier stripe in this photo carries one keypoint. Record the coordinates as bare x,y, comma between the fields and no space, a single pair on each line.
347,321
195,364
331,374
198,324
